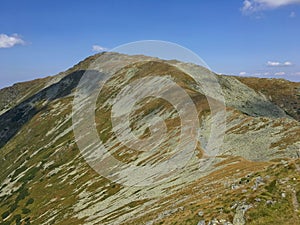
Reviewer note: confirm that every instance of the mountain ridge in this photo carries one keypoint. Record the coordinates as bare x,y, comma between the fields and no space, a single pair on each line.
39,153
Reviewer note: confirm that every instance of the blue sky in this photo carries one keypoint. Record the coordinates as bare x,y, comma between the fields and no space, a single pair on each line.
246,37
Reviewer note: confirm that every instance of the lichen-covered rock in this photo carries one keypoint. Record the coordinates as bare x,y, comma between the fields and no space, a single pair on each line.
239,217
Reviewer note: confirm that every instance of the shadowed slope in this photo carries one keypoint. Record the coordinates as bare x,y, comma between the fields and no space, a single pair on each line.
13,120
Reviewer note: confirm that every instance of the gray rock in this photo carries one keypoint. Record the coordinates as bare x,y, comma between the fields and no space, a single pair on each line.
270,202
201,222
234,206
227,223
214,222
149,223
239,218
257,199
258,182
234,186
200,213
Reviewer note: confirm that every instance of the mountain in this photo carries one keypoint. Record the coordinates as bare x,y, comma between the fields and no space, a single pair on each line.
244,168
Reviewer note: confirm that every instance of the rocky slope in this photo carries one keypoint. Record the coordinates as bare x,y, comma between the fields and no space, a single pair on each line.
253,178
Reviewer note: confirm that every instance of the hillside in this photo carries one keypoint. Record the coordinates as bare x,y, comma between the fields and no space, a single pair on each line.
250,177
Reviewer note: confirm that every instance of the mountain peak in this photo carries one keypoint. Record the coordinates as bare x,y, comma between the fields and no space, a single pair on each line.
143,111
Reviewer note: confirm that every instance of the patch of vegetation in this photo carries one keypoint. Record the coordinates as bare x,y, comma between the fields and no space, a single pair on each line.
298,195
244,180
271,187
6,223
18,172
29,201
17,219
23,192
277,213
5,214
30,174
26,211
13,207
136,203
27,221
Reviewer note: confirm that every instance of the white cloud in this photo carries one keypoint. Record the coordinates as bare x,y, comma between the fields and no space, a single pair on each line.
257,74
292,15
98,48
287,63
270,63
279,64
250,6
296,74
243,73
10,41
280,74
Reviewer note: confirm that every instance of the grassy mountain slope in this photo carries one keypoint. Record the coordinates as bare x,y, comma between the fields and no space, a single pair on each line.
45,180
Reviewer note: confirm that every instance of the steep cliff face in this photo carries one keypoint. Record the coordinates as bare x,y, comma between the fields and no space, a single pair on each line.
45,178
